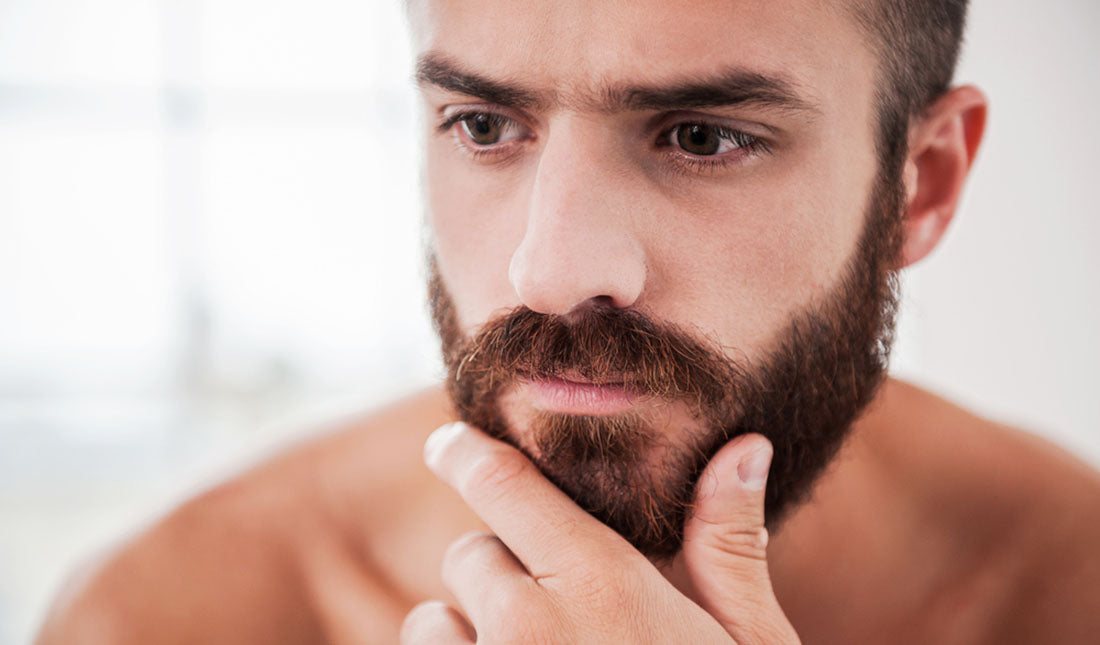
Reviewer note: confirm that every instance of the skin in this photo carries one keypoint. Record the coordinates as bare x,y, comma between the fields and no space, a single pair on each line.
932,525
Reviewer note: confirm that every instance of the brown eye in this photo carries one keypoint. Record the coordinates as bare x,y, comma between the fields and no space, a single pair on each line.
698,139
483,129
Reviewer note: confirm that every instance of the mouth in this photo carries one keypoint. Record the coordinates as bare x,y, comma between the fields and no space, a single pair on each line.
575,395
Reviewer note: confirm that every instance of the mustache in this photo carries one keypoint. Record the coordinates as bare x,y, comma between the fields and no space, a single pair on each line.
599,344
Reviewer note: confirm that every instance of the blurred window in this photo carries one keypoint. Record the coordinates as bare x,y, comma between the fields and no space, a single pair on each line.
209,239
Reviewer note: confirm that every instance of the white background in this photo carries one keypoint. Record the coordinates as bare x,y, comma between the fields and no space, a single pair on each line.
210,244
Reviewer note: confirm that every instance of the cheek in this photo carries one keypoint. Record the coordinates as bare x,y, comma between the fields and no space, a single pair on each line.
475,220
758,253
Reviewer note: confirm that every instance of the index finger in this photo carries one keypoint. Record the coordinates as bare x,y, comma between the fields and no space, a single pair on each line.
539,523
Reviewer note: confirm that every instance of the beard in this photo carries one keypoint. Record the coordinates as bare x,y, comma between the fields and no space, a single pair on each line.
803,395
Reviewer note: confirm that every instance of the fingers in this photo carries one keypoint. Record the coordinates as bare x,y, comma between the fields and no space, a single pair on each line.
433,622
485,577
730,496
545,529
725,543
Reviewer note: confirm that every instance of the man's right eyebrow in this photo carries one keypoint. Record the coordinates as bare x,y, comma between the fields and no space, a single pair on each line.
437,70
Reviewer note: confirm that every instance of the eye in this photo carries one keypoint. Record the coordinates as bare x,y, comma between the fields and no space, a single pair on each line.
487,129
705,140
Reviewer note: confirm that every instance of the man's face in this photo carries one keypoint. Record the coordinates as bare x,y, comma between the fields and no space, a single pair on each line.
702,173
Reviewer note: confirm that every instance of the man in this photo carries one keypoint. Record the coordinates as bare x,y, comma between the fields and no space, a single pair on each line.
664,243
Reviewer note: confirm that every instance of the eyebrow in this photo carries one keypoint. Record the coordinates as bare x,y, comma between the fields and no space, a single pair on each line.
728,88
735,87
434,69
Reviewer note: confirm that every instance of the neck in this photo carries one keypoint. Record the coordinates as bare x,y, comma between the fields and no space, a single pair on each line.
865,544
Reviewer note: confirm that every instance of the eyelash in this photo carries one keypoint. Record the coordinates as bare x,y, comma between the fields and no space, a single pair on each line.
751,145
478,153
450,122
681,161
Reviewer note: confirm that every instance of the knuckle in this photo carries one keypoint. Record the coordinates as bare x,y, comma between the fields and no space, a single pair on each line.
606,579
498,469
600,586
477,546
749,543
423,621
471,543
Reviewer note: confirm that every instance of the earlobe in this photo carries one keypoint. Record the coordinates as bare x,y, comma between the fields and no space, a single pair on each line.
942,148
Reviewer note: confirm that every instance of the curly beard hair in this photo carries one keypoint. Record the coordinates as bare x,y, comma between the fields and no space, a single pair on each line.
803,395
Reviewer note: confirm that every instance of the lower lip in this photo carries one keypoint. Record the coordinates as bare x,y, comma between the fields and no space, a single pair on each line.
571,397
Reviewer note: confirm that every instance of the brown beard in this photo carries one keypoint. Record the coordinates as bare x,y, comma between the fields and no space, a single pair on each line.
803,396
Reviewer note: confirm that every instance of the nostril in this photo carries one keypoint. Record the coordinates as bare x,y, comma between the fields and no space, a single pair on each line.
596,303
558,271
601,302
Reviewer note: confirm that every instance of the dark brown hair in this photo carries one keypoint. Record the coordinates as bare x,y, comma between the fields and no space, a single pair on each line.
917,43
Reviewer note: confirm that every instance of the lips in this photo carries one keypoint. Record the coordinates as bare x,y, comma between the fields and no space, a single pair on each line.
575,395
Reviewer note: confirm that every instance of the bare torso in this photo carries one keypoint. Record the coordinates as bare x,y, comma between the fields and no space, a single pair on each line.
932,526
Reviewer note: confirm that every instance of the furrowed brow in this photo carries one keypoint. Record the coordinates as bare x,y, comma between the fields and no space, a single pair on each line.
735,88
435,69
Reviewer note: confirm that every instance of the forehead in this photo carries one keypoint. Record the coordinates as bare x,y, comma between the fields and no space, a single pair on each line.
573,46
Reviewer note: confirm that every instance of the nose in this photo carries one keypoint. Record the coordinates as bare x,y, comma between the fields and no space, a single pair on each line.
580,244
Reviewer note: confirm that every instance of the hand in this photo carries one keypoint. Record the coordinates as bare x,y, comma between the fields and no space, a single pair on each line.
552,573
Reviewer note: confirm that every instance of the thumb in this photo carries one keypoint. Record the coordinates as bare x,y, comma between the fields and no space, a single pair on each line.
725,544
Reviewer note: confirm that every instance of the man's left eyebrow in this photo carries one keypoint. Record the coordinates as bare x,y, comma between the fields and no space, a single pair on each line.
735,88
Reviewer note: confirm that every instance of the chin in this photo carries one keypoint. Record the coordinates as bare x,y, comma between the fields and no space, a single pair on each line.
634,470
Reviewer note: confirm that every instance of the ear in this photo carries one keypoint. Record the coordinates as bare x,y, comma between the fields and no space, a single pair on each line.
942,146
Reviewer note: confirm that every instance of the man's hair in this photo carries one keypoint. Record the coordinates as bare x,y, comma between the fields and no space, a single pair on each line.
917,43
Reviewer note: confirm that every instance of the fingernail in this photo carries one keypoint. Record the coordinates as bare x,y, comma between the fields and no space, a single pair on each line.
753,468
442,436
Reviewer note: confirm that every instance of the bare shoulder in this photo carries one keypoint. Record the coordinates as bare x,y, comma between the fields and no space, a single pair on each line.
278,553
1031,509
374,460
941,439
370,478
